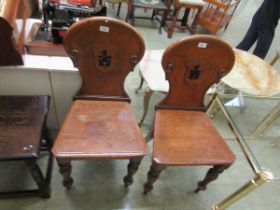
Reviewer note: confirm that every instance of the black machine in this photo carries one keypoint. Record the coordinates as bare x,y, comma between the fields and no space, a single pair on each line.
63,16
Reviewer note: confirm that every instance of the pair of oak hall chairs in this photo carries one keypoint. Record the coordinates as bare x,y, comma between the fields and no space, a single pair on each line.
100,123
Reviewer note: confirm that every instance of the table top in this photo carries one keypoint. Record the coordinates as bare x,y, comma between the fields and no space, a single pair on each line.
250,74
152,72
21,124
246,113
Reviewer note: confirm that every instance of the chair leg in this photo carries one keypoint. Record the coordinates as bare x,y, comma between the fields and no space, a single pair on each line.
129,10
153,175
195,21
153,15
185,17
132,15
211,175
172,25
132,167
65,169
226,26
119,9
36,173
163,21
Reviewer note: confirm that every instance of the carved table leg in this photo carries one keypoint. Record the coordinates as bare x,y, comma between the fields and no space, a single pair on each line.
211,175
153,175
213,107
37,175
132,167
141,83
146,102
65,169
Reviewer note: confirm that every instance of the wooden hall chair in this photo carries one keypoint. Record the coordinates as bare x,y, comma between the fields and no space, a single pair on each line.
183,133
217,14
100,123
23,133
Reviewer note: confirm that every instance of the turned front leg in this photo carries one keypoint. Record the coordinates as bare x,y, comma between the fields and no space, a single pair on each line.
132,167
153,175
211,175
65,169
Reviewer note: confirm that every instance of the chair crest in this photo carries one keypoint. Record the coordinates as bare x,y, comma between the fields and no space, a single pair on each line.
104,50
192,65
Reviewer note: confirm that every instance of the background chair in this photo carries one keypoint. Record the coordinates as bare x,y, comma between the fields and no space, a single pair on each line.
23,132
217,14
188,5
183,133
100,124
119,2
158,6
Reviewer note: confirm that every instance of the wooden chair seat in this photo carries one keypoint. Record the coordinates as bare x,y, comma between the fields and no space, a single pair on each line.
99,129
188,138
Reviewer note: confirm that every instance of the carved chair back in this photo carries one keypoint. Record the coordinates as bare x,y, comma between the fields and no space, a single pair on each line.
104,50
191,66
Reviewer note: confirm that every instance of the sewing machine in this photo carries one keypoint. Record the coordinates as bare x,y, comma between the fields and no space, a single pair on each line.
63,15
46,36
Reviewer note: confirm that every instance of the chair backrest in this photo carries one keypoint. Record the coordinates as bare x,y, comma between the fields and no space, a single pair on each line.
217,14
104,50
191,66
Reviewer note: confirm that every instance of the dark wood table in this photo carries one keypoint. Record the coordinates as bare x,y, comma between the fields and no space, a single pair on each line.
39,43
22,130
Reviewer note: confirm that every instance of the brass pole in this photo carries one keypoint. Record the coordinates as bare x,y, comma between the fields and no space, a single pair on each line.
266,123
242,143
260,179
